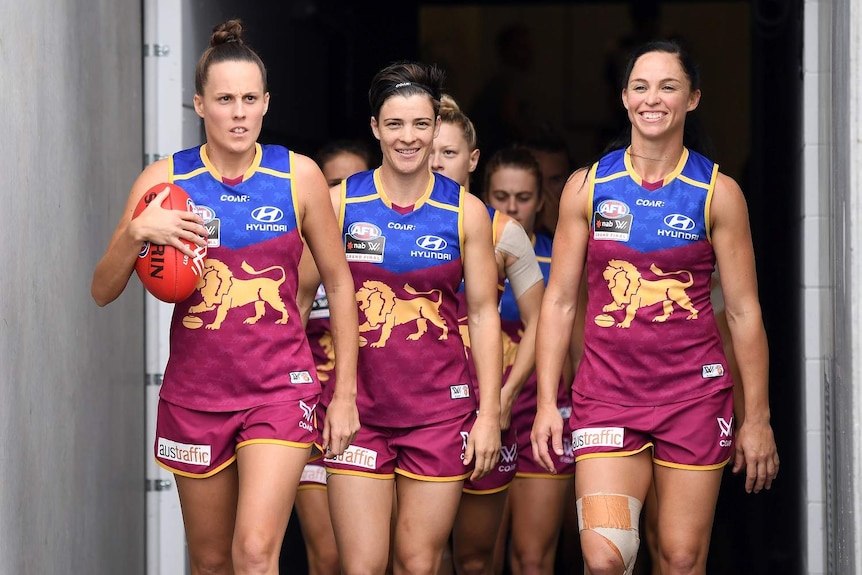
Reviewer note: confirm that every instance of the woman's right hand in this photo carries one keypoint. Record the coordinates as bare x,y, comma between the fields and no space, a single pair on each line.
165,227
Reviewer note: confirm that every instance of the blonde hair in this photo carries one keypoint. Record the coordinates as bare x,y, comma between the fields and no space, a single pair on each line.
450,113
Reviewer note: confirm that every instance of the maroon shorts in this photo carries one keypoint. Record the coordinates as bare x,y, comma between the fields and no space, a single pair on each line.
501,476
692,434
432,452
202,443
564,464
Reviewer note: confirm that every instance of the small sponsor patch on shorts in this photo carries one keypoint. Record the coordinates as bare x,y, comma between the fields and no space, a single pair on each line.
459,391
314,474
357,456
509,453
301,377
712,370
184,452
597,437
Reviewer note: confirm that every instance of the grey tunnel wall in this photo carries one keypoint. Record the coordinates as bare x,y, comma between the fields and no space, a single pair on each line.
71,374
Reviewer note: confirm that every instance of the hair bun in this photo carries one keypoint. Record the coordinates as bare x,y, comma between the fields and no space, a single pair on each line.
227,32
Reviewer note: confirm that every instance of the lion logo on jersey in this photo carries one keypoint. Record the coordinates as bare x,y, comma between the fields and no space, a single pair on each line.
222,291
383,311
510,347
630,291
326,344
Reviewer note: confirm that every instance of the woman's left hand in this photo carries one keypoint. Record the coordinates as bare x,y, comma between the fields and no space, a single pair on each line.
340,426
757,453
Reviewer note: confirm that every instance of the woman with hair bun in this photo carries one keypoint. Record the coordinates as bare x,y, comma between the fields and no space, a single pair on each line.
479,534
236,418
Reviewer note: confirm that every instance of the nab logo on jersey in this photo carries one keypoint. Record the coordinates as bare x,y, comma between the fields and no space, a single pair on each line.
364,231
613,209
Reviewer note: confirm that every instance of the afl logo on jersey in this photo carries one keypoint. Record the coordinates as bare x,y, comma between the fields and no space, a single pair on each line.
206,213
363,231
431,243
613,209
679,222
267,214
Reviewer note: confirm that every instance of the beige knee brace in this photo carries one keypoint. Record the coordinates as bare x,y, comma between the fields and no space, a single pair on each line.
614,517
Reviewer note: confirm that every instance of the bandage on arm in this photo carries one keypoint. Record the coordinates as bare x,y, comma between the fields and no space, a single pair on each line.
524,272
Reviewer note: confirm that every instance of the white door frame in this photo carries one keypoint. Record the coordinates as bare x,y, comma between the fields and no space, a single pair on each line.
162,51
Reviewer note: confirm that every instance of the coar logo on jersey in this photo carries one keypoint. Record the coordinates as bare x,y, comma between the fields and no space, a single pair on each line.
431,243
679,222
267,214
364,231
613,209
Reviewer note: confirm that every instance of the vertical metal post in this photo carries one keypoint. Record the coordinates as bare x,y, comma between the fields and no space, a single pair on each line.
162,52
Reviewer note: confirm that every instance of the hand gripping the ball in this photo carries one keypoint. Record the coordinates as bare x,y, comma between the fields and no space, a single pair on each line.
174,242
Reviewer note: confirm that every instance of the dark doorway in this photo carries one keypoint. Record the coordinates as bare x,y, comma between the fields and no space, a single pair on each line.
321,56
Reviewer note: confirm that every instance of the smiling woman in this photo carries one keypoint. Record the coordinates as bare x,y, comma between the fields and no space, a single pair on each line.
646,226
422,426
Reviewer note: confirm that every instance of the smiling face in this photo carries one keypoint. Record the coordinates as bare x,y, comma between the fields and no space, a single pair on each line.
406,127
515,192
232,105
658,95
451,154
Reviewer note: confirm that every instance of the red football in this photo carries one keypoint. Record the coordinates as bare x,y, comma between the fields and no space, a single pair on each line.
166,272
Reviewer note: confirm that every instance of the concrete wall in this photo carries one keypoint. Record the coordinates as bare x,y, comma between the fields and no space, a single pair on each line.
832,288
842,389
71,374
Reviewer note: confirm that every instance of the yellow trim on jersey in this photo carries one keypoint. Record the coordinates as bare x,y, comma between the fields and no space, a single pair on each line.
627,160
707,207
342,193
461,193
378,183
196,475
255,165
433,479
544,259
192,174
293,193
591,180
451,208
171,169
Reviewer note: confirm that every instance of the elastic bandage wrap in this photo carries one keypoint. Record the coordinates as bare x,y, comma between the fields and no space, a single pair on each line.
616,518
525,272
